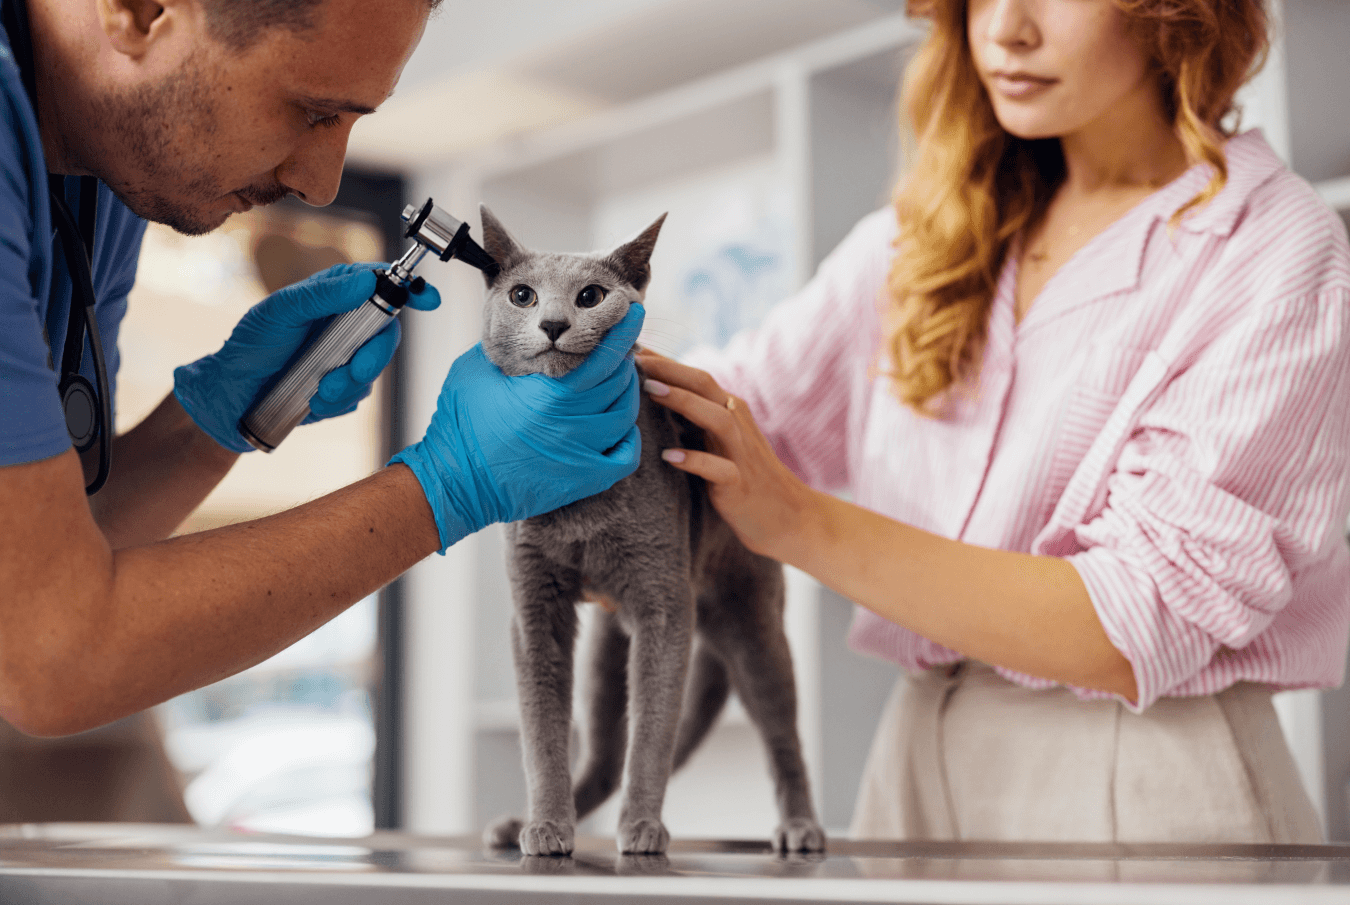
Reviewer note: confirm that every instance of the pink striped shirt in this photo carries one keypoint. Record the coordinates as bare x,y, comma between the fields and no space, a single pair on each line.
1172,415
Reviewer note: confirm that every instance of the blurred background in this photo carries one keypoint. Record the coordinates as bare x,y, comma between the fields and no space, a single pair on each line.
765,128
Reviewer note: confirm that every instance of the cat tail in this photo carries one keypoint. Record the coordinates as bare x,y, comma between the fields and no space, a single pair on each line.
704,696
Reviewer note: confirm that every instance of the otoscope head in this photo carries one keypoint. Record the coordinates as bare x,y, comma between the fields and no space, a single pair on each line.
446,237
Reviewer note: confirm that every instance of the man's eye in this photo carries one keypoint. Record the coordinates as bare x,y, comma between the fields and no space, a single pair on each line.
321,119
590,296
523,297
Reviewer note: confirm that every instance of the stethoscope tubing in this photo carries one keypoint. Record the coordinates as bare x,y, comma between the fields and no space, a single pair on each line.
76,253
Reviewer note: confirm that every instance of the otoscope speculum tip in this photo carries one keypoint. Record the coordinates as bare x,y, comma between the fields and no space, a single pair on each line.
471,253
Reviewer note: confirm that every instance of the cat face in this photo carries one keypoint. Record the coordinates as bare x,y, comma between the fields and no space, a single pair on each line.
546,311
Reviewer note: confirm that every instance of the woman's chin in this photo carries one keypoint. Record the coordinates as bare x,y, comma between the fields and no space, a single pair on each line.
1028,130
1027,123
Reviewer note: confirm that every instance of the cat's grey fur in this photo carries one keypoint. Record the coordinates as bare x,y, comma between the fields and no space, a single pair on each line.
689,613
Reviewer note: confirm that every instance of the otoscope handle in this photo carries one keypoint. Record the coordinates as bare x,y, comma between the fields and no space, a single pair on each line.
286,404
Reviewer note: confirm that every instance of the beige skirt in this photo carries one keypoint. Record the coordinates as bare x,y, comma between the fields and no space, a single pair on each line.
963,754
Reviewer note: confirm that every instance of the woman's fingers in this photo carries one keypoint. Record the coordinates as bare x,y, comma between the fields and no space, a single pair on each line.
694,394
759,497
706,465
671,372
717,420
713,417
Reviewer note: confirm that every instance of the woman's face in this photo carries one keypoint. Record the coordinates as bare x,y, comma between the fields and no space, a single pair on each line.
1055,67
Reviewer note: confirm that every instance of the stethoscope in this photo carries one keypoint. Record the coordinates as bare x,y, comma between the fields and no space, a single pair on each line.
88,407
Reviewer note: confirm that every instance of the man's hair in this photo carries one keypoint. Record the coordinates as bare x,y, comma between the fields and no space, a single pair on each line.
238,23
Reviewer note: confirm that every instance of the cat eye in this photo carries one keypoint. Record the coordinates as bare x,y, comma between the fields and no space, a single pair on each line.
523,296
590,296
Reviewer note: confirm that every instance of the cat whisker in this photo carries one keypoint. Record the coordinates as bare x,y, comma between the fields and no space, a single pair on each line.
666,335
663,336
667,350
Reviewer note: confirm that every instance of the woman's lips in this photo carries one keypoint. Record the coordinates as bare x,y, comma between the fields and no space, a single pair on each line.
1019,85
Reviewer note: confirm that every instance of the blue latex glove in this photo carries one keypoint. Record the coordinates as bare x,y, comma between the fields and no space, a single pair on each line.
216,390
501,449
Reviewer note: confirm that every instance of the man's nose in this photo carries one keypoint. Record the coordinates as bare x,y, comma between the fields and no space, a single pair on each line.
313,172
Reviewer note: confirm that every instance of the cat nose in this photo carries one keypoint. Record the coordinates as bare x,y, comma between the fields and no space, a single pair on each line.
554,329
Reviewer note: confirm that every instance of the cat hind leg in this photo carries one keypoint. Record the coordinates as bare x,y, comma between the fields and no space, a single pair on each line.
760,665
705,695
504,832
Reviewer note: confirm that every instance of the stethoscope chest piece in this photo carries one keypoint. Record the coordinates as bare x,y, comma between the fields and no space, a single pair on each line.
82,411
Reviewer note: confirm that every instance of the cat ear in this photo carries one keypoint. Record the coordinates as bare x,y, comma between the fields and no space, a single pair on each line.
632,259
497,241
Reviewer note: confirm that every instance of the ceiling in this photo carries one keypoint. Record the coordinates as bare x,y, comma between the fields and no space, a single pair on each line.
484,72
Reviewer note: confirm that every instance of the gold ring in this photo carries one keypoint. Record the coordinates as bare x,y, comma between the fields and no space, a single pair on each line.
731,403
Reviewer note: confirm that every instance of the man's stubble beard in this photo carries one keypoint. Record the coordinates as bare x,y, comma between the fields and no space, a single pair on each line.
169,127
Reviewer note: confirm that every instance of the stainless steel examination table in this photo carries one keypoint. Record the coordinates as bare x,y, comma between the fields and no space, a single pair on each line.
111,864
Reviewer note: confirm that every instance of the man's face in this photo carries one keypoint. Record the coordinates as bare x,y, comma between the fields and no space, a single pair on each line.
233,129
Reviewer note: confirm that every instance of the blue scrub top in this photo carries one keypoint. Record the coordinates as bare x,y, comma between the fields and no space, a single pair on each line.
34,301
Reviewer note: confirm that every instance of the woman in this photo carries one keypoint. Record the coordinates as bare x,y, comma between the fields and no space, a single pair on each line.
1086,386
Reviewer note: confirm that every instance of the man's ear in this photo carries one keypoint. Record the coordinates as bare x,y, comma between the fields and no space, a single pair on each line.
132,25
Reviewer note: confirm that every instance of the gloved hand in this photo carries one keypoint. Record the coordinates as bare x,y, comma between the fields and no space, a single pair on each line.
501,449
217,390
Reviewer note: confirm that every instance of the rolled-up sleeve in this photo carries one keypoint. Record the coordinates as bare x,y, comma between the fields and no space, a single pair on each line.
1230,492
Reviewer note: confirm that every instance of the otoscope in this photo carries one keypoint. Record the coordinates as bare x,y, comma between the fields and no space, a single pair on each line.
286,404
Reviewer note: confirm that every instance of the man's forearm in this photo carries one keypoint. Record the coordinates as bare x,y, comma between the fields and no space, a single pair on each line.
124,630
162,470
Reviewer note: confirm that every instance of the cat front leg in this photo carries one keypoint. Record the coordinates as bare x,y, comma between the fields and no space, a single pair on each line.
543,633
657,664
605,727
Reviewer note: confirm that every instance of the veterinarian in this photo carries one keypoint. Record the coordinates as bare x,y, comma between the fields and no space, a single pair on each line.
1086,386
183,112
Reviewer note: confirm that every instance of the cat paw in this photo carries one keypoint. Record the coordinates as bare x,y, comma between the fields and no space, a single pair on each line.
643,837
800,834
504,832
546,837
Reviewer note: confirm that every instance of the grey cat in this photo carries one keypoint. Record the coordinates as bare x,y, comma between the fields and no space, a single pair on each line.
688,612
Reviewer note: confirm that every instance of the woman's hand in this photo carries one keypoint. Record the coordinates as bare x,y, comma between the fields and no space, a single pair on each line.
767,506
1031,614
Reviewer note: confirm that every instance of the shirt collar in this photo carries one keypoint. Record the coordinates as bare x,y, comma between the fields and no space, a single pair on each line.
1251,163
